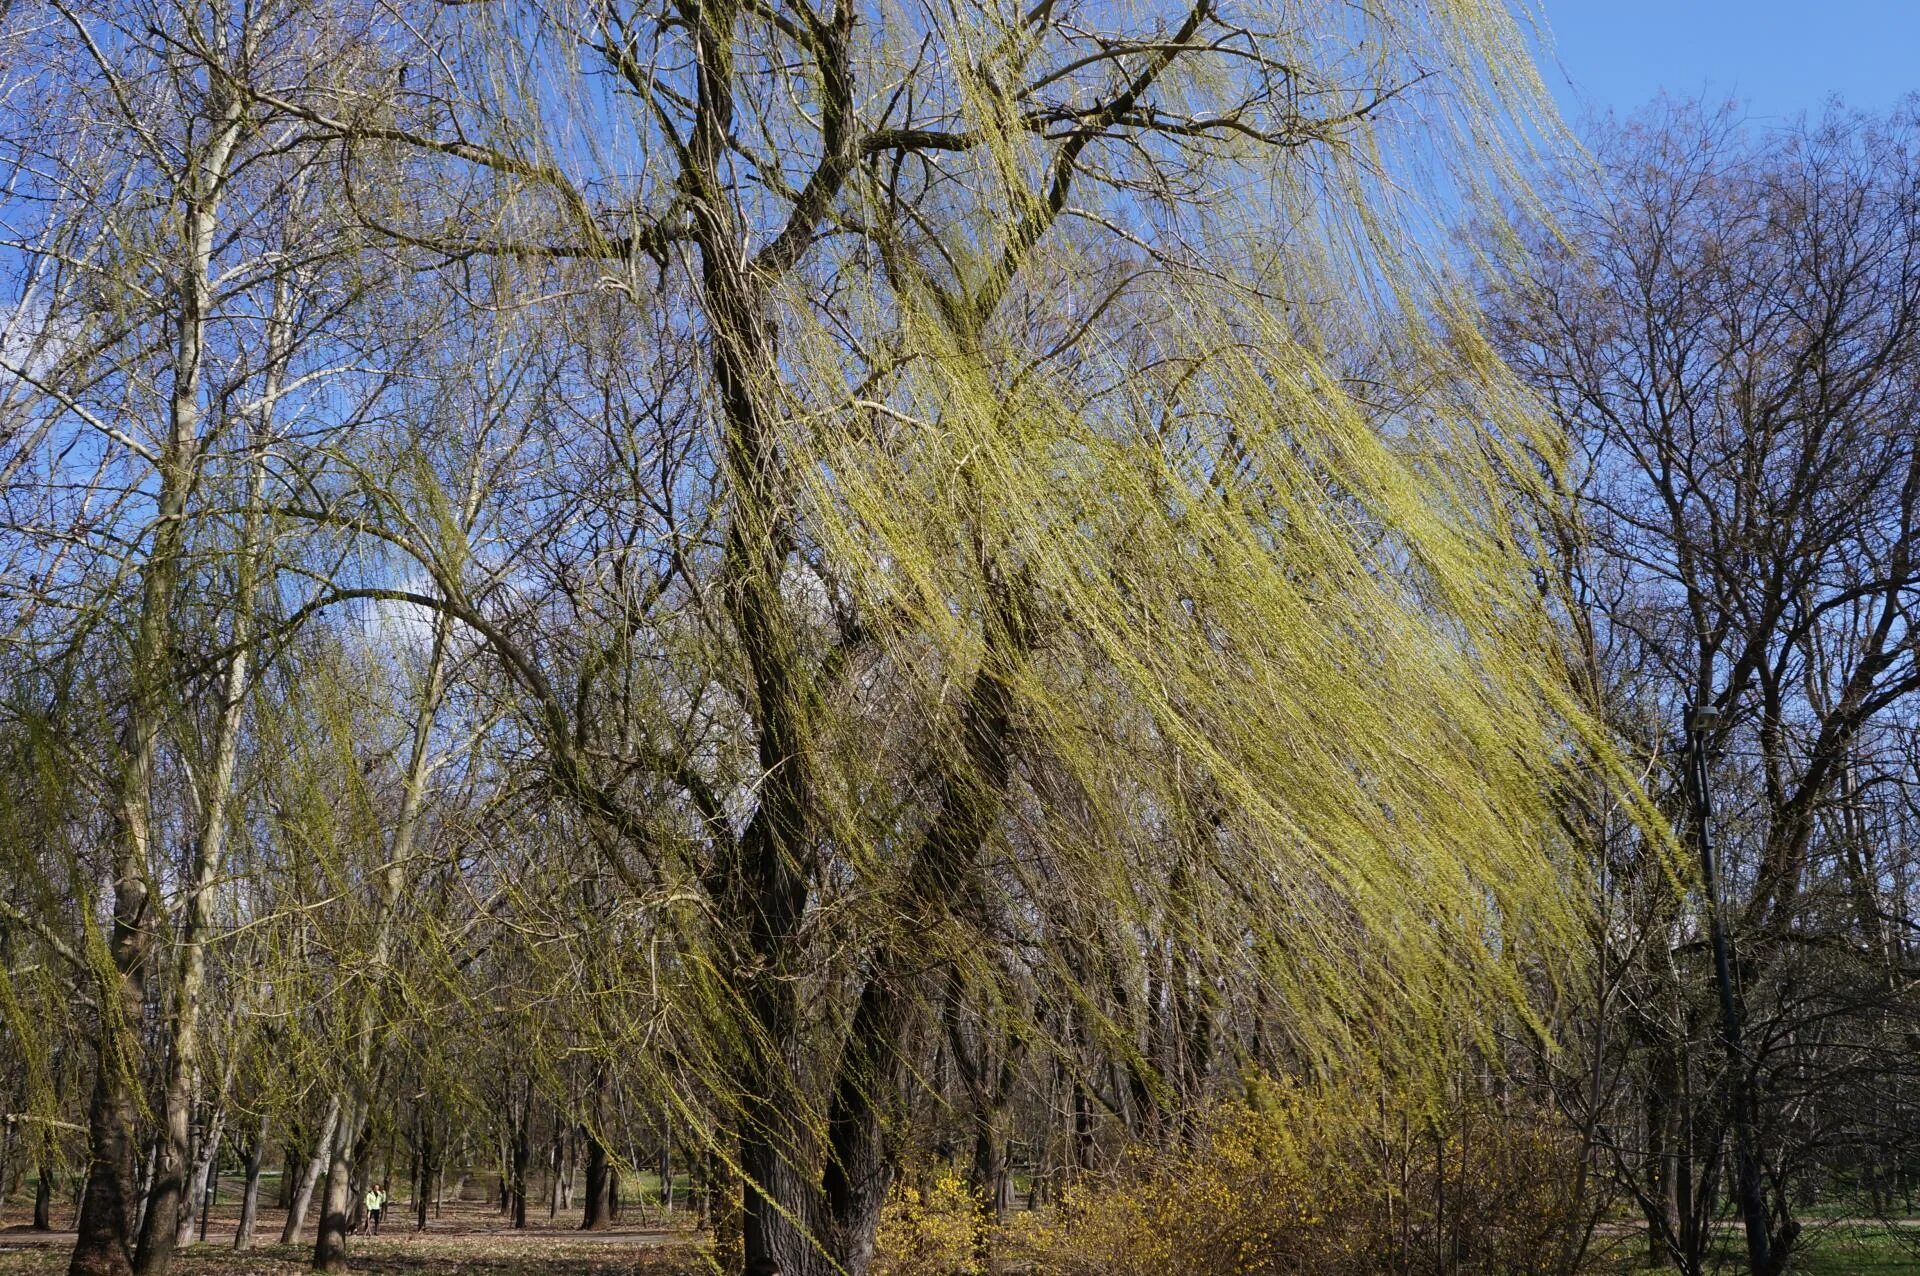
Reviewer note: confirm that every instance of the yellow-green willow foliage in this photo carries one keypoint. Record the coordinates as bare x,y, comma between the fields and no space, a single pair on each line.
1092,529
1256,494
1289,652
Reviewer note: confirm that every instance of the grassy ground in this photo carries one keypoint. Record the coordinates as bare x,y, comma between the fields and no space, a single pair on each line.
1843,1252
1838,1249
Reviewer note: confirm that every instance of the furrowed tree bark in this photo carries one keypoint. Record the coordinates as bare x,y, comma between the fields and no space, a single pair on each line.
762,892
599,1201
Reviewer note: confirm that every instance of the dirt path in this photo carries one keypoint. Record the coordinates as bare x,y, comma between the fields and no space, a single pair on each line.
470,1238
18,1237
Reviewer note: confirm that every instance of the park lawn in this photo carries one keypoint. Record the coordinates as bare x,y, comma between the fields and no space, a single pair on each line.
1836,1250
1861,1251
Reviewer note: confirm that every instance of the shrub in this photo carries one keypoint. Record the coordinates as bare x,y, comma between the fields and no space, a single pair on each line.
1289,1184
935,1229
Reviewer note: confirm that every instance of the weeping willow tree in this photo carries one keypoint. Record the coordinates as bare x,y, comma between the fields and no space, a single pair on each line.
1008,498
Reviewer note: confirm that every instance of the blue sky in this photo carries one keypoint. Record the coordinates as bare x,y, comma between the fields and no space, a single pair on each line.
1779,56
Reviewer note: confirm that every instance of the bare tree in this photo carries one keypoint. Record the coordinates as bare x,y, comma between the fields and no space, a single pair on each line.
1728,325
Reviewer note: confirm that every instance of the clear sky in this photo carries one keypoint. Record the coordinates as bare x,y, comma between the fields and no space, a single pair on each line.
1779,56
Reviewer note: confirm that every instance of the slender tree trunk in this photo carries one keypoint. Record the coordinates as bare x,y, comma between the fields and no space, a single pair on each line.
250,1197
1763,1255
1657,1197
429,1167
172,1199
330,1247
321,1158
203,1180
1082,1128
519,1154
159,1231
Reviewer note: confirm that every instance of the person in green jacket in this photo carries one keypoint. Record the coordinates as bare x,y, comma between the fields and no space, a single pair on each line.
376,1200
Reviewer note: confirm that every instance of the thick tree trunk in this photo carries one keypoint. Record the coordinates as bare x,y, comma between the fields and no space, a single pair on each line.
989,1067
336,1202
758,886
599,1195
43,1199
988,1178
1083,1133
168,1207
727,1215
105,1227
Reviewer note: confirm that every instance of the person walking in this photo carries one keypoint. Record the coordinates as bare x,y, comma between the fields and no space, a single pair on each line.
376,1200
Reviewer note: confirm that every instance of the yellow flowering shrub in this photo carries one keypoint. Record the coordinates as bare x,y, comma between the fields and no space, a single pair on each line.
1290,1184
935,1232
